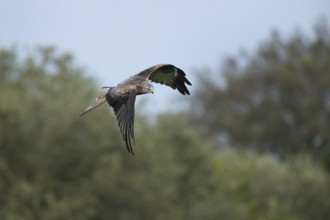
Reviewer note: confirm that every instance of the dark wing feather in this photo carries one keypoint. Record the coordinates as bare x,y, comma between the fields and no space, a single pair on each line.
169,75
124,111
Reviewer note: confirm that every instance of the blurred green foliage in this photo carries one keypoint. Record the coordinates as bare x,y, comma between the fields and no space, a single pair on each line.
55,165
276,100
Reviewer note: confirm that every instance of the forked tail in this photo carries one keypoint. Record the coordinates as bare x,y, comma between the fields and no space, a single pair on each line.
99,101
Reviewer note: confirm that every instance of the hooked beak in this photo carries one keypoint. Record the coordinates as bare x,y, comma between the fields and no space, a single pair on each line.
152,90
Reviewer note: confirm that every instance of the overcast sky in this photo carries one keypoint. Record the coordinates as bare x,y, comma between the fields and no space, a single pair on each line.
116,39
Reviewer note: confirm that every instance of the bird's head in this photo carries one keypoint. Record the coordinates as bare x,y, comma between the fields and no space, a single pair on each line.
147,88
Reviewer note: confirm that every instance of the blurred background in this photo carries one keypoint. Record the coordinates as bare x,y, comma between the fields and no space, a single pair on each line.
251,142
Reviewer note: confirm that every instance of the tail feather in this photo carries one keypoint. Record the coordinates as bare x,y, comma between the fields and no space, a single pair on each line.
99,101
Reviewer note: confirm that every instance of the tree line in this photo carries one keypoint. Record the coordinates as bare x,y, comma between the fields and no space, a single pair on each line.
255,147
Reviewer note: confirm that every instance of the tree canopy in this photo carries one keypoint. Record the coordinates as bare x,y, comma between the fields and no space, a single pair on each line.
55,165
276,100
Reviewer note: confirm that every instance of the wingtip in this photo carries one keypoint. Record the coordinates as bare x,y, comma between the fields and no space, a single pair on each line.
129,148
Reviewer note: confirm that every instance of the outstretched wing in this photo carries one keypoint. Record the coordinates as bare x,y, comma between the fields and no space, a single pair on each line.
169,75
124,111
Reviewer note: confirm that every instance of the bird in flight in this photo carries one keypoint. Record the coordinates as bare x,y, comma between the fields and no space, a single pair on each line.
122,97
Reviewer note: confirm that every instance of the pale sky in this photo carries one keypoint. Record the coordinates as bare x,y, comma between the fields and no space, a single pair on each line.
116,39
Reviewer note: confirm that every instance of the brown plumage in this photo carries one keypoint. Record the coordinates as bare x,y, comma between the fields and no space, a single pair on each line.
122,97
